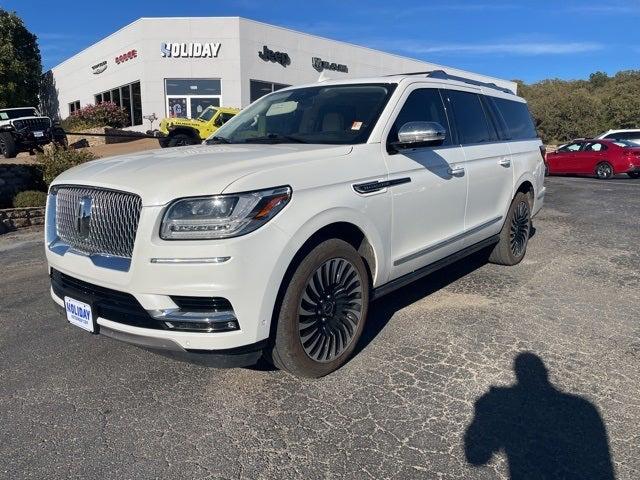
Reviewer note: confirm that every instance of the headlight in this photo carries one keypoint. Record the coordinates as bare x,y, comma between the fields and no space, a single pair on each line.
222,216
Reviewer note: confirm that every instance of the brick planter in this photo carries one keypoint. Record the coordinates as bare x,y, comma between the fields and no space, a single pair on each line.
14,218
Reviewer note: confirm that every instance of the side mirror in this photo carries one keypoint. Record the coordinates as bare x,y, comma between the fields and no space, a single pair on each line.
419,134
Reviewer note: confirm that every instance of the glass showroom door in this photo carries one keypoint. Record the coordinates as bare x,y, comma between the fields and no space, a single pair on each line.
197,105
189,97
177,107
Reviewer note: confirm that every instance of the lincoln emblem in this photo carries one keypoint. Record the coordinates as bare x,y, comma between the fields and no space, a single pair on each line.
83,217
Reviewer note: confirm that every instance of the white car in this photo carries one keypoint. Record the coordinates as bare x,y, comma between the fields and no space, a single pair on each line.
273,238
632,135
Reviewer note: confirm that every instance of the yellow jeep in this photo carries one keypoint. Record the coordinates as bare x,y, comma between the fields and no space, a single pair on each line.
176,132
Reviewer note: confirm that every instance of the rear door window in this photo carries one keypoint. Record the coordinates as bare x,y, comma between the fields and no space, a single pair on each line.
471,121
518,119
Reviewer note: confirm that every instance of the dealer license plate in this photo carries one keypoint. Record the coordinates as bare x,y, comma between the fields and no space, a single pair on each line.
38,134
79,314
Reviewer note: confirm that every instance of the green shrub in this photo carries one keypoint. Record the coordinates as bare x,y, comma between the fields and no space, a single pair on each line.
30,198
105,114
56,160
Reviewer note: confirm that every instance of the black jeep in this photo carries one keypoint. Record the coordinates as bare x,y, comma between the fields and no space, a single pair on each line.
25,130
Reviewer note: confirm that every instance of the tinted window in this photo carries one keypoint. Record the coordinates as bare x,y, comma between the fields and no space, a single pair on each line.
595,147
624,135
196,86
424,105
518,119
471,122
570,147
258,89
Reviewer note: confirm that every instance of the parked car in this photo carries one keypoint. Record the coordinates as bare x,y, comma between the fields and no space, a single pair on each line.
177,132
602,158
273,238
25,130
632,135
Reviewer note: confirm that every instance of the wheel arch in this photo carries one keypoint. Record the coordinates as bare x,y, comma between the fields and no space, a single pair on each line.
192,132
338,223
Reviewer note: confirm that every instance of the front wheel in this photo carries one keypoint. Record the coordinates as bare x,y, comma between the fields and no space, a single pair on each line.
634,174
8,146
181,140
514,236
604,171
323,311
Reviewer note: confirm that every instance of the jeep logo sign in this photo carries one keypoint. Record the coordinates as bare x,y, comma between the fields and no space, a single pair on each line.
190,50
99,67
321,65
269,55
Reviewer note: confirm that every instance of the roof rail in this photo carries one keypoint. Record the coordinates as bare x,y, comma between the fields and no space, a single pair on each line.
442,75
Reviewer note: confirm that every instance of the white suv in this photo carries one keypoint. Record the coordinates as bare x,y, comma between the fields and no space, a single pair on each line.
632,135
273,238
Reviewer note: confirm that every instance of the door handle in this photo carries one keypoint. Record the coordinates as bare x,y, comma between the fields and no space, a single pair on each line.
505,162
456,170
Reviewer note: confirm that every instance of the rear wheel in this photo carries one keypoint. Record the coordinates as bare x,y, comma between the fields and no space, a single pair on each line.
8,145
634,174
604,171
514,236
182,140
323,311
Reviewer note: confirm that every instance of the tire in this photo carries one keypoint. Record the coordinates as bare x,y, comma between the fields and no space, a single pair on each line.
8,145
604,171
634,174
323,311
181,140
514,236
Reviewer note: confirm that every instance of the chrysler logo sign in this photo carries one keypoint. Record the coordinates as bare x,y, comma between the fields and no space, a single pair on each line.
190,50
321,65
269,55
99,67
83,217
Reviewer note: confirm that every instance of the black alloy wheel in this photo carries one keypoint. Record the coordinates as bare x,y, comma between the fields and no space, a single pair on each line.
519,229
330,310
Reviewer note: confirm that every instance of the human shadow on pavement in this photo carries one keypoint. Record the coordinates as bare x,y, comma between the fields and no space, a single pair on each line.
543,432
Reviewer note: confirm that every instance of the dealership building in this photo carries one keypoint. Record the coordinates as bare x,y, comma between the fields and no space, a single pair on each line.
179,66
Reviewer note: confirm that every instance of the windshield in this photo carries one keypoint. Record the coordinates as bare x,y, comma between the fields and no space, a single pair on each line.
207,114
330,114
17,113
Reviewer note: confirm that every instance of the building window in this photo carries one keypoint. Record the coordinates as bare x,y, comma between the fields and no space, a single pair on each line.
186,97
73,106
129,98
258,88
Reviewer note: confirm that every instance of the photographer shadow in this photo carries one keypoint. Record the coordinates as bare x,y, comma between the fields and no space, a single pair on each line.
543,432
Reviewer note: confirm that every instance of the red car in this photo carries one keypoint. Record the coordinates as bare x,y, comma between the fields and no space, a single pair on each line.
602,158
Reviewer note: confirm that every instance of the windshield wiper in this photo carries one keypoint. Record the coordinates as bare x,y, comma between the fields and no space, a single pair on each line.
217,140
275,138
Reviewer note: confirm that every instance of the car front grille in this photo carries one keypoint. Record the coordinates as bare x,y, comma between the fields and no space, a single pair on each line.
112,225
33,124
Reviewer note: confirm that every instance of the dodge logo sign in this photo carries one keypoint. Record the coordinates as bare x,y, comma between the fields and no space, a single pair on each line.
321,65
99,67
269,55
83,217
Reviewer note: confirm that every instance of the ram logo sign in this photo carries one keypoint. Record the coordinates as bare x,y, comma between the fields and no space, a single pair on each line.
190,50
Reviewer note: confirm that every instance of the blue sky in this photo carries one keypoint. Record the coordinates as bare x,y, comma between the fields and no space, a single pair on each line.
529,40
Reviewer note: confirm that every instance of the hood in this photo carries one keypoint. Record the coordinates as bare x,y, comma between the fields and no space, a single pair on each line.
160,176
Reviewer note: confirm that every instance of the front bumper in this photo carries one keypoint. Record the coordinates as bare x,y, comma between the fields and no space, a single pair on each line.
159,271
168,347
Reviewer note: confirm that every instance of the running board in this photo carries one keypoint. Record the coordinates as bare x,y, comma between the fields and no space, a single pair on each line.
405,280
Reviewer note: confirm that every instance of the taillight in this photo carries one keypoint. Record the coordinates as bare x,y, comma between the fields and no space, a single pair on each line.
543,152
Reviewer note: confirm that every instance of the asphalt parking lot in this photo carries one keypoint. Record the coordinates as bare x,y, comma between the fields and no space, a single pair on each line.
432,392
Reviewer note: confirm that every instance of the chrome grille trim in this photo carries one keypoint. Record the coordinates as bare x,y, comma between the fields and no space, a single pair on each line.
113,225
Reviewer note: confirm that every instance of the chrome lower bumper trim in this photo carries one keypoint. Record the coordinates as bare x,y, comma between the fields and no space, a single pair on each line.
177,319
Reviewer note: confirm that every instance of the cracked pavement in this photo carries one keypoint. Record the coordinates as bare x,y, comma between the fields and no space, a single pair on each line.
74,405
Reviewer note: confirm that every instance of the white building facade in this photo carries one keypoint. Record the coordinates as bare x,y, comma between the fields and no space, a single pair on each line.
179,66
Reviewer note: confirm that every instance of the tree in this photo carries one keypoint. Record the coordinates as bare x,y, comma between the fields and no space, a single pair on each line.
20,63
